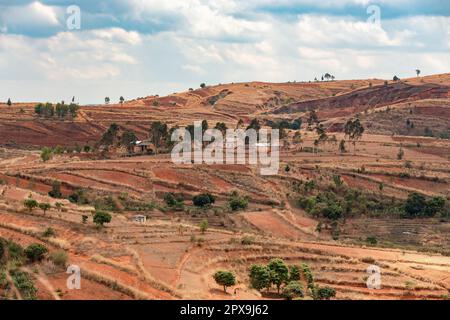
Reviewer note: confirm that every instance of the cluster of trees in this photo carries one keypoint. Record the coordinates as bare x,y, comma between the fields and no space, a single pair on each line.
327,76
173,202
338,202
99,218
114,137
60,110
32,204
418,206
277,273
13,256
295,124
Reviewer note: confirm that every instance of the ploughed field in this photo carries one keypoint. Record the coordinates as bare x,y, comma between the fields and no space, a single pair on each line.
169,257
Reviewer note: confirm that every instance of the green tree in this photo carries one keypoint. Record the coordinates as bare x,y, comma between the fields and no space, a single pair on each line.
109,138
202,85
9,103
259,277
56,190
294,273
354,130
107,100
433,206
101,217
415,204
36,252
46,154
292,290
73,110
279,272
237,202
169,199
324,293
128,140
225,279
203,200
30,204
44,207
203,226
158,134
121,100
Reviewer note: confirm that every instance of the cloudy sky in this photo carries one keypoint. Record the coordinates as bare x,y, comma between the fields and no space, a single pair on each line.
137,48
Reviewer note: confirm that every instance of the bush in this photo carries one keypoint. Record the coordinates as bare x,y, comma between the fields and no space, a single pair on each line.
292,290
35,252
30,204
101,217
59,258
372,240
23,282
415,204
56,190
247,241
238,203
324,293
15,250
46,154
225,279
203,200
49,232
169,199
203,226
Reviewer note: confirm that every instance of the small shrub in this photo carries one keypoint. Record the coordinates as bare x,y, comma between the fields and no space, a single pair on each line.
35,252
59,258
292,290
49,232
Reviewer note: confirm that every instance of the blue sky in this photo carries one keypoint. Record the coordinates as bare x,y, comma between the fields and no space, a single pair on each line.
137,48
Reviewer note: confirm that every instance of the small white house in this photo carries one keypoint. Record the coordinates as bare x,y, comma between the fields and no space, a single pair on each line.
140,218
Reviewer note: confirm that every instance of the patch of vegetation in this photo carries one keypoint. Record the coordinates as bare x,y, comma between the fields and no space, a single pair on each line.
237,202
418,206
292,290
35,252
203,200
23,282
101,217
59,258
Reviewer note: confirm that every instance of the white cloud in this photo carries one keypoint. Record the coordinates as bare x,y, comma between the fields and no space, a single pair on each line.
33,14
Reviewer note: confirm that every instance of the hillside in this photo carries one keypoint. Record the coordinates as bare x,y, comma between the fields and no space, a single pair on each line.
338,211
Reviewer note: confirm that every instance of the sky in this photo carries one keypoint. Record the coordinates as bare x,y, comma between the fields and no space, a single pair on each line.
137,48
